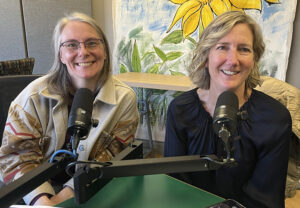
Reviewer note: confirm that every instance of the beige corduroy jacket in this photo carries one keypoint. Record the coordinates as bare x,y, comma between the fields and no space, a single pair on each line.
37,123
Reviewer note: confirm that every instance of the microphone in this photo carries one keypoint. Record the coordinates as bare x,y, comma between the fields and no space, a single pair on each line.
225,117
80,120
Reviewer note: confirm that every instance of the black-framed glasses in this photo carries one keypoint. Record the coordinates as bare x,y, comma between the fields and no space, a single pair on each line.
74,45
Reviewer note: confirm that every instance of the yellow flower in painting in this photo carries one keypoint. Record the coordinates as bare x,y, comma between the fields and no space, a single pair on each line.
196,13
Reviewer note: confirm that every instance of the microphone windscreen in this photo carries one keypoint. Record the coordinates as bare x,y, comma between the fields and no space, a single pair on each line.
226,112
228,98
82,107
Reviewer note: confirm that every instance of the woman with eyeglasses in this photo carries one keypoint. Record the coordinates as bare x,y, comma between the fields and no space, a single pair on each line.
38,117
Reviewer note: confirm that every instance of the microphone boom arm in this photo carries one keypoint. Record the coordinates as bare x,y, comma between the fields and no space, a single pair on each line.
31,180
90,178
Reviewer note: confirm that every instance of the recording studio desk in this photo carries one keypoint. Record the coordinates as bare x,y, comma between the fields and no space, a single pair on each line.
150,191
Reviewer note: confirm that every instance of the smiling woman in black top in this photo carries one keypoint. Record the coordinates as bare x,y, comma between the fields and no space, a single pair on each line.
226,59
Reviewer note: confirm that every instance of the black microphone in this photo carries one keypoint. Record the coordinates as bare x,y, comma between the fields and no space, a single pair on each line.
225,117
80,119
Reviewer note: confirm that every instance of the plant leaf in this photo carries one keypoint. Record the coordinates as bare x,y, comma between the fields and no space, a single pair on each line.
177,73
177,93
174,37
173,55
160,53
123,68
159,92
123,48
134,32
147,54
192,40
154,69
136,61
148,59
121,44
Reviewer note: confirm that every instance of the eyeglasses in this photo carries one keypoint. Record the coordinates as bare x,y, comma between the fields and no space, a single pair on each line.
73,45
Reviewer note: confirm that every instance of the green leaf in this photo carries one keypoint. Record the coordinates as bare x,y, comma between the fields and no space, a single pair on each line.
177,93
201,28
121,44
124,49
124,53
160,92
123,68
173,55
134,32
164,110
154,69
136,61
147,54
174,37
192,40
160,53
148,58
121,48
177,73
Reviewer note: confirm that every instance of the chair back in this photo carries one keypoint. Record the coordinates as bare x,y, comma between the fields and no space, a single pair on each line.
285,93
17,67
10,87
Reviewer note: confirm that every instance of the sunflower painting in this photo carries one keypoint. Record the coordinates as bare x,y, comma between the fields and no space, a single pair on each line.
170,28
158,36
199,13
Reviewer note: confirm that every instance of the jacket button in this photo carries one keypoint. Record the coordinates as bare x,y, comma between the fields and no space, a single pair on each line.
81,147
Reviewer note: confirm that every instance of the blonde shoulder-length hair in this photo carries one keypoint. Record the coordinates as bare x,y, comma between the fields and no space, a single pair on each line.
216,30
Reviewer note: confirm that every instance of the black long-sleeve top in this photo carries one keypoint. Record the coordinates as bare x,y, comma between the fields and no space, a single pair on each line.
261,152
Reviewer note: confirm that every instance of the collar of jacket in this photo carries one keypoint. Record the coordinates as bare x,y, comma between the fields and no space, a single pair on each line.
106,94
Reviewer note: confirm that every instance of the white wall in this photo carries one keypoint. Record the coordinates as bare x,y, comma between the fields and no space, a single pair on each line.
11,31
102,13
293,72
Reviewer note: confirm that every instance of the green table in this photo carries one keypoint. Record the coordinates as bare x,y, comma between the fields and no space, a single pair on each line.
153,191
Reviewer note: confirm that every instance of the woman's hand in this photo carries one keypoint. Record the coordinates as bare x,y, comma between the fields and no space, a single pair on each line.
63,195
44,200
